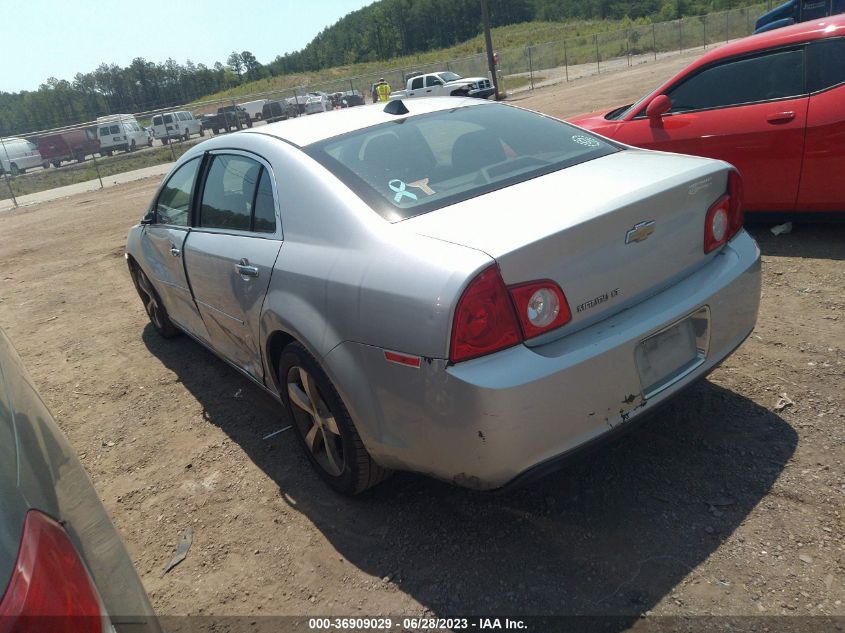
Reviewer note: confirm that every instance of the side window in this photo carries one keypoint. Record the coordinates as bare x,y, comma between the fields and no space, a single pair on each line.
432,81
157,119
104,131
114,129
168,118
229,193
417,83
825,66
773,76
174,202
265,210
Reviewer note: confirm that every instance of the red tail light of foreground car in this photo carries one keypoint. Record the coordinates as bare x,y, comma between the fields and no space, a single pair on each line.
50,588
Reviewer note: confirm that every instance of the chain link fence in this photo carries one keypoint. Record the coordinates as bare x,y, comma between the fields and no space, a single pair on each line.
92,154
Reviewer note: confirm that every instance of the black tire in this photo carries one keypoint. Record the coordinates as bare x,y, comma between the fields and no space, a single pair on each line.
358,471
132,146
14,170
109,152
153,305
249,123
164,140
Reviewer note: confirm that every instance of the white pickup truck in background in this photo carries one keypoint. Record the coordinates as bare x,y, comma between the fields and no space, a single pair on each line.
445,84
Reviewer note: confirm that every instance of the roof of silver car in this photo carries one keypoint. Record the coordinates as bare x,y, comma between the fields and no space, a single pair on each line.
305,130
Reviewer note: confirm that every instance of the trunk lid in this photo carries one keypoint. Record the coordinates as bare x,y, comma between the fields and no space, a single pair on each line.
610,232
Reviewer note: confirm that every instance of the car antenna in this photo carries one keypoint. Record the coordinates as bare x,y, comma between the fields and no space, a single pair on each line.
396,107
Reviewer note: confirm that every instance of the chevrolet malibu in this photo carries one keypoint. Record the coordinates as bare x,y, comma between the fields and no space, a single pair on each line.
464,289
772,105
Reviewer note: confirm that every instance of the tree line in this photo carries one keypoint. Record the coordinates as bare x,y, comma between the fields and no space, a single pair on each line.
381,31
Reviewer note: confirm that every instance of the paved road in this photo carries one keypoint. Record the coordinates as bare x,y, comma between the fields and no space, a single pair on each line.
82,187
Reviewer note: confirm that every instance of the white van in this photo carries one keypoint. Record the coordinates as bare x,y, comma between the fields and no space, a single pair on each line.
174,125
17,155
121,132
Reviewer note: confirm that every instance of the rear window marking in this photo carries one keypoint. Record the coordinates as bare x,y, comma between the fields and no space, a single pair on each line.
586,141
400,190
422,184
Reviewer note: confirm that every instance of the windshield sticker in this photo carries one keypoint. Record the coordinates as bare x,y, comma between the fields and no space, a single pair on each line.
399,187
422,184
586,141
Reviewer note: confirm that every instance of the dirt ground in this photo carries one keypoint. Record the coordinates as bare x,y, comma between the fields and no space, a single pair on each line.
721,504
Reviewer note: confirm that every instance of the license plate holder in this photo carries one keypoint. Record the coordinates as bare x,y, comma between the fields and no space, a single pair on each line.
669,355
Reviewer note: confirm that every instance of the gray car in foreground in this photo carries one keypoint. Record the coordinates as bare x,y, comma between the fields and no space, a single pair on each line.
63,567
467,289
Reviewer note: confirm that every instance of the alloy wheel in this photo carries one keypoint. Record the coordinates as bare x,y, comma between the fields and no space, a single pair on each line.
150,301
316,421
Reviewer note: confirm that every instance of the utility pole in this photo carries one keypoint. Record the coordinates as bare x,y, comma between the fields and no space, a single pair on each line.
485,19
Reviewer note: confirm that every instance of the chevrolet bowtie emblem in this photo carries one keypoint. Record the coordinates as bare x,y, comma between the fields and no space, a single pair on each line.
640,232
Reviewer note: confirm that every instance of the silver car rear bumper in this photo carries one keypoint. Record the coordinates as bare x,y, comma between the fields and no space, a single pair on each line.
484,422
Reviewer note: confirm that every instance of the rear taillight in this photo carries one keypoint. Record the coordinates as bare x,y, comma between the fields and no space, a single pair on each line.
50,588
541,306
724,218
484,318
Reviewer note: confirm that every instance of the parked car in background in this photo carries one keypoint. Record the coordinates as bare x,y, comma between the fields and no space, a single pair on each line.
317,102
175,125
17,155
772,104
545,286
228,118
68,145
63,566
797,11
443,84
254,108
351,98
121,132
278,111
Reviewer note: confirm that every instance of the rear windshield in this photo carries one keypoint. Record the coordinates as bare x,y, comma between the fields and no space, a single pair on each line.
418,164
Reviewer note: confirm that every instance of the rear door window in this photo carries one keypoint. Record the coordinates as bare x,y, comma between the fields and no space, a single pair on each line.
265,207
228,196
775,75
417,83
825,64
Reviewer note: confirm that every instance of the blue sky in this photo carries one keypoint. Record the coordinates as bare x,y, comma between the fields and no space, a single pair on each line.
58,38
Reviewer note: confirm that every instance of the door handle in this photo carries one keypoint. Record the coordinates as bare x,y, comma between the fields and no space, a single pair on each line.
175,251
778,117
245,269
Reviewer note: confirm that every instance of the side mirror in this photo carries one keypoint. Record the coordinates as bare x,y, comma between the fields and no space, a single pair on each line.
659,106
149,217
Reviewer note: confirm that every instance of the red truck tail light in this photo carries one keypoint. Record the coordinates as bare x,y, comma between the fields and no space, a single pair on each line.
484,318
50,588
724,218
541,306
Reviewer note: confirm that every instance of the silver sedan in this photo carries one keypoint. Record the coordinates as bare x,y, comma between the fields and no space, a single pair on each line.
464,289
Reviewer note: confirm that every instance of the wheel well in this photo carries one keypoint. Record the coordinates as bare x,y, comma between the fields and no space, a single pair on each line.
275,344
